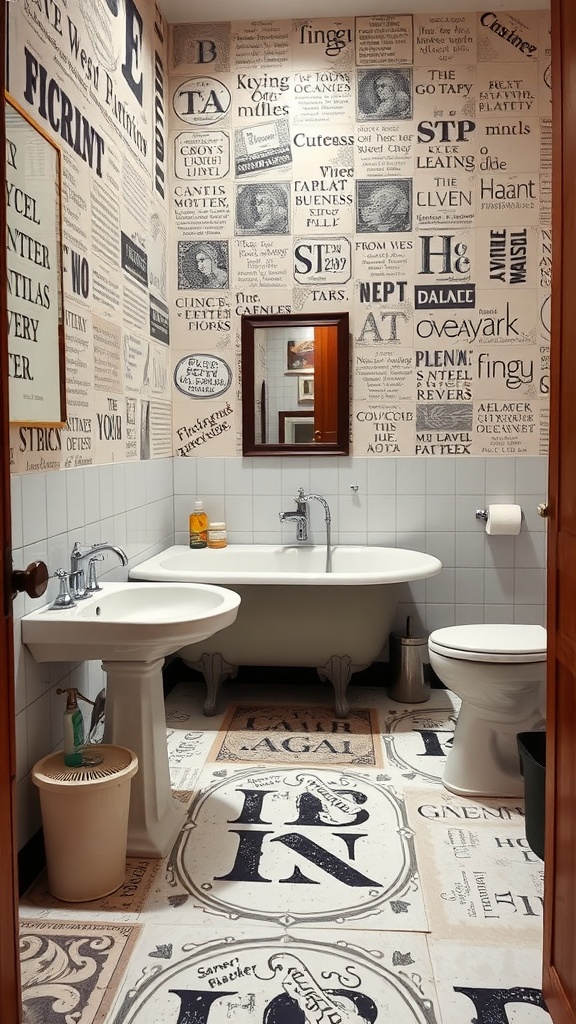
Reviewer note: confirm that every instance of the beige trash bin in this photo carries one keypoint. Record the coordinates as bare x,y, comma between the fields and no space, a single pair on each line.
85,819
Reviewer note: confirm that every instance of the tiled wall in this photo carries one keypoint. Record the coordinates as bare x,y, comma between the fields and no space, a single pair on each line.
424,504
143,507
130,505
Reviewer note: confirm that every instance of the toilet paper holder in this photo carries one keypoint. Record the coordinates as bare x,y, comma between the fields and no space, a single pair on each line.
482,513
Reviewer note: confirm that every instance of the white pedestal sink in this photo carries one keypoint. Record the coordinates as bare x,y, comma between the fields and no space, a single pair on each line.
131,628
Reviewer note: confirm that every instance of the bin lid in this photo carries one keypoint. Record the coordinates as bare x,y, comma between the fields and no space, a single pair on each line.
117,763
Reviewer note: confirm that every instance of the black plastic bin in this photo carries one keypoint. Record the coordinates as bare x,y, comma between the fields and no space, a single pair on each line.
532,750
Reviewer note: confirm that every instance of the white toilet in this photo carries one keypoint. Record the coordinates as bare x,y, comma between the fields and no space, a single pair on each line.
499,672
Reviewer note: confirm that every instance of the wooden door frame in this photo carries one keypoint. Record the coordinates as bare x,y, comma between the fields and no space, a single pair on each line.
10,990
560,847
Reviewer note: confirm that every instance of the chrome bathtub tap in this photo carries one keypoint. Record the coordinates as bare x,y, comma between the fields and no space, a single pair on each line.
300,517
78,557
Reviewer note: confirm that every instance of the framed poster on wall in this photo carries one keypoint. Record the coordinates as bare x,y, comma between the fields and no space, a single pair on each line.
36,358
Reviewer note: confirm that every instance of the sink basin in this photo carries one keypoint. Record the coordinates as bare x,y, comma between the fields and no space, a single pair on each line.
130,622
131,628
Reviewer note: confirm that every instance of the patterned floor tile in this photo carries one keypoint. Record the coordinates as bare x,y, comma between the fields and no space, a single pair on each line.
294,846
71,972
303,734
417,739
481,881
488,984
211,976
128,899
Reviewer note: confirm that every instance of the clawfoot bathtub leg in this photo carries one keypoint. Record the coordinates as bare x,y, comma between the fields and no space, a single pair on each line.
338,671
215,670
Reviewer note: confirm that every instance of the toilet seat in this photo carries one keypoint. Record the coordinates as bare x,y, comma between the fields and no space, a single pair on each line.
509,643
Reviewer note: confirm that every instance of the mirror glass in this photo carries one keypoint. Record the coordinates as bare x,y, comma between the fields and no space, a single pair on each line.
295,383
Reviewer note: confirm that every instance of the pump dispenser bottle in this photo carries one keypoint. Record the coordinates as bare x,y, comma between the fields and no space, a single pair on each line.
198,526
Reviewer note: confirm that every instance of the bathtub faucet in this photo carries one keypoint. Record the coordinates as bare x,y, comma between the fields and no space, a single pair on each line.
299,516
77,558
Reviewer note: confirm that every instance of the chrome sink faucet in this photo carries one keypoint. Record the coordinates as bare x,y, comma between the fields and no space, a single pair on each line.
77,559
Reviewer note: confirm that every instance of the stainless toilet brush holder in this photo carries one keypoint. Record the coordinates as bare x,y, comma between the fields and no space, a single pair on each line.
409,667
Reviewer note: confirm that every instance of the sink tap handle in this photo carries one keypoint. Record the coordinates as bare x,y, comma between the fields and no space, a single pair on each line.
64,598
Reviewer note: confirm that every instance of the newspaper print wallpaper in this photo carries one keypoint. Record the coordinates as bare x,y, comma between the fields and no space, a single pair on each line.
395,167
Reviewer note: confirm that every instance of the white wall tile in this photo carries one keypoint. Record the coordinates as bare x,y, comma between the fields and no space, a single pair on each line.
411,512
469,586
381,476
411,476
238,475
75,498
16,504
500,479
106,475
470,475
470,551
440,512
184,475
529,586
440,475
325,477
266,476
532,476
442,546
38,728
209,477
499,586
56,503
34,508
381,513
499,551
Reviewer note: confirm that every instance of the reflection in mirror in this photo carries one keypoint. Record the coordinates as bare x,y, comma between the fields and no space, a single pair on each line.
295,382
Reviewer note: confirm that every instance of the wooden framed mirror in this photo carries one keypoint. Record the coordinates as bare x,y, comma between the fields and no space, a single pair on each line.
297,362
36,358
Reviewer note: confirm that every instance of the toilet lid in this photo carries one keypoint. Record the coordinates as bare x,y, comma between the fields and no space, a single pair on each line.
490,642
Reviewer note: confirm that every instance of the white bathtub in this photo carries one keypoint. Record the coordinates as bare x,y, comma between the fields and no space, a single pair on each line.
292,612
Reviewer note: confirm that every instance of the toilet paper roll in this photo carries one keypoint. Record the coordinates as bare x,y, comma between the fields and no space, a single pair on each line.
504,520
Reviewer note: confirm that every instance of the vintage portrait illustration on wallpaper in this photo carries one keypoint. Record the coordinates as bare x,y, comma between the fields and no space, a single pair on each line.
203,264
384,205
263,209
384,94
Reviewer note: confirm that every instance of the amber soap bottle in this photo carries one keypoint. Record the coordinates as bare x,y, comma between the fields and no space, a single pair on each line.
198,526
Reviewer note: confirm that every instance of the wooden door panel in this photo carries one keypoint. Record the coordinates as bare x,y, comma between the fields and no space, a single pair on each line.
10,999
559,964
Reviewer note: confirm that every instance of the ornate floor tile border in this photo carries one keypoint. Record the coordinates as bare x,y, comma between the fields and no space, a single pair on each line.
294,846
302,734
209,976
71,971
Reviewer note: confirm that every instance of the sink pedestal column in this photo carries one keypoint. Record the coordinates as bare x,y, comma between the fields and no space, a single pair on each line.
135,718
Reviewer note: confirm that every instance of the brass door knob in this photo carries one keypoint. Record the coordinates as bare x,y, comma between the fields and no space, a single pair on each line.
32,581
543,510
